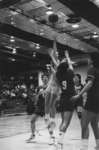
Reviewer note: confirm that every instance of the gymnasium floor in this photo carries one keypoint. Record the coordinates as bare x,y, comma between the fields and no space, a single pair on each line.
15,130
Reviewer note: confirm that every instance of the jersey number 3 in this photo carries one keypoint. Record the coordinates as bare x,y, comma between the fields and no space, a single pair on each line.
64,85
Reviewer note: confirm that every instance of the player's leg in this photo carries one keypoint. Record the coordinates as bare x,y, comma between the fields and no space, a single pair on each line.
79,110
51,125
47,107
95,127
66,109
39,111
85,120
52,105
33,126
66,118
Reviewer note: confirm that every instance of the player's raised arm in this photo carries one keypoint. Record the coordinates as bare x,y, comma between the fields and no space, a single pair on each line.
68,60
53,53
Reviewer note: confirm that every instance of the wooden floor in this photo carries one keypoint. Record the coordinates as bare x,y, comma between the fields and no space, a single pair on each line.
15,130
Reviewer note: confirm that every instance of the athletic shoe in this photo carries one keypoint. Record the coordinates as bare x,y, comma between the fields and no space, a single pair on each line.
59,146
52,141
61,138
32,137
47,120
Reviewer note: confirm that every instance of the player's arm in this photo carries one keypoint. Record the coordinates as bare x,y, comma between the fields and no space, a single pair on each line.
53,53
68,60
49,84
53,70
89,84
86,87
90,80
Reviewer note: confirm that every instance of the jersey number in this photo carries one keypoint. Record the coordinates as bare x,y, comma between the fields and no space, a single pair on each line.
64,85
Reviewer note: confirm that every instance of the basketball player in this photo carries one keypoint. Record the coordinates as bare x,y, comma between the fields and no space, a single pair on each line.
52,91
39,109
65,77
78,88
91,108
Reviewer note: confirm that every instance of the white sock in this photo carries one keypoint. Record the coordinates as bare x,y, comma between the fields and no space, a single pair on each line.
97,144
61,137
47,116
51,127
47,119
84,144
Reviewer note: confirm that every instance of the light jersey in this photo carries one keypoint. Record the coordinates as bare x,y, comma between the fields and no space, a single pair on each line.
79,101
78,88
52,85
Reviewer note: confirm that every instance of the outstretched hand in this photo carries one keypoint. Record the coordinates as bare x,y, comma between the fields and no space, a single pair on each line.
50,51
75,98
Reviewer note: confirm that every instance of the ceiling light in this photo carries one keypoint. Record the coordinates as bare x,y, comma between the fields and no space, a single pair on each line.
12,21
31,20
41,1
14,51
87,37
12,39
49,7
41,31
95,35
31,77
34,54
11,78
32,45
49,12
14,12
12,59
37,46
75,26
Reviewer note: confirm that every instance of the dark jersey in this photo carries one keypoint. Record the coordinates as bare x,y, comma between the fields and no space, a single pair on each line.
93,93
79,102
65,79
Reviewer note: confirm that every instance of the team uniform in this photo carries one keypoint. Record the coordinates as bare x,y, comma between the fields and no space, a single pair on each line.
65,80
92,103
52,91
90,113
79,104
52,88
40,106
